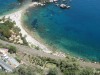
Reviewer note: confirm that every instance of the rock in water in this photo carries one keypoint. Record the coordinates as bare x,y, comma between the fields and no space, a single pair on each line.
68,7
64,6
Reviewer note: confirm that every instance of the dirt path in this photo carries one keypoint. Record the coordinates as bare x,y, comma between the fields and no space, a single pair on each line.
28,50
89,64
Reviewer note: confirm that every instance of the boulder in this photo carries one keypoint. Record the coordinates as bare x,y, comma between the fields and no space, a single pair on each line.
64,6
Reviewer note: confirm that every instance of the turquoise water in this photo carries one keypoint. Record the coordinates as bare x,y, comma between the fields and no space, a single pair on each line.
76,30
8,6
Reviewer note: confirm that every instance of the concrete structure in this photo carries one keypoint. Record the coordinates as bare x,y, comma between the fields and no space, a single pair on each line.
5,66
13,62
7,63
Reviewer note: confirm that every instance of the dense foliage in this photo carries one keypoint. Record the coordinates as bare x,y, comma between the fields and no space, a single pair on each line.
12,49
5,28
68,66
52,72
9,29
38,65
24,70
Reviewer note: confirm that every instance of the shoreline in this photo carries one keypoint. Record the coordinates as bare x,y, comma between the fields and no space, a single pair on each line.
34,34
17,17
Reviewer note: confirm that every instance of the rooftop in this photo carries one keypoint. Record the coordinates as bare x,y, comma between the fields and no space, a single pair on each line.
6,66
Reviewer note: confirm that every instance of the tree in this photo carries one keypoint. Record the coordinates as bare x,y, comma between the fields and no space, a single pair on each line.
12,49
16,29
18,59
87,71
37,47
52,71
6,27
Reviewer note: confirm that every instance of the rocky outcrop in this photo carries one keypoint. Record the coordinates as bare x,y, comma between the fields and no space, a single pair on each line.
64,6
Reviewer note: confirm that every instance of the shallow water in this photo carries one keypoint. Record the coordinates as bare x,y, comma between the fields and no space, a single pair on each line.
8,6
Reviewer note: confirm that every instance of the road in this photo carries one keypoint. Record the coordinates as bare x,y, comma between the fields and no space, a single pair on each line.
28,50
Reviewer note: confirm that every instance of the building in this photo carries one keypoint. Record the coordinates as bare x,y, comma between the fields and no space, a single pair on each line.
7,63
13,62
5,66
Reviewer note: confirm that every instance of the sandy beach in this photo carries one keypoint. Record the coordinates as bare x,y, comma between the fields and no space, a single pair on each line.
17,17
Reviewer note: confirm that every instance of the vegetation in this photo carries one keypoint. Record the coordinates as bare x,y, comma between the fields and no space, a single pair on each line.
9,32
87,71
52,72
67,66
37,64
5,73
16,29
24,40
12,49
28,70
5,28
25,70
18,59
37,47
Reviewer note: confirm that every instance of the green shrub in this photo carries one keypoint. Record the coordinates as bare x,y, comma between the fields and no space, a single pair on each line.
18,59
12,49
87,71
6,27
52,71
37,47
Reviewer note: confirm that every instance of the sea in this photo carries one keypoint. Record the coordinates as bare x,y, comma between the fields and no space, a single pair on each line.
8,6
75,31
